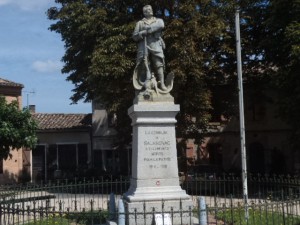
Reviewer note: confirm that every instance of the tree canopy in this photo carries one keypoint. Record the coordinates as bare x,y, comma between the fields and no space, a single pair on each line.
200,39
282,48
17,128
100,53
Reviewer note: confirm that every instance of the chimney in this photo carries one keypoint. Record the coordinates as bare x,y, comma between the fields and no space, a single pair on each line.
31,109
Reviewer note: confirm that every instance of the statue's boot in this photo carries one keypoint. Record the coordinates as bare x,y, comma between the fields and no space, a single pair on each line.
160,74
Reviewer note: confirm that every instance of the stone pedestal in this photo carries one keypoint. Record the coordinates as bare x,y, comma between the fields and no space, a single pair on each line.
154,185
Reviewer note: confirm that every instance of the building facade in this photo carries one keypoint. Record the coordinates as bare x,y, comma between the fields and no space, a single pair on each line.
64,145
17,167
77,145
268,148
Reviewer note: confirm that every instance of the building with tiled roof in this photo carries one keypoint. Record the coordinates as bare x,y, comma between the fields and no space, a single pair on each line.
8,83
73,144
60,121
64,145
11,90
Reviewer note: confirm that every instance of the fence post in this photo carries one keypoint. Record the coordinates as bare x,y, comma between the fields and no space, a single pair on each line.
202,211
282,202
121,217
112,206
0,213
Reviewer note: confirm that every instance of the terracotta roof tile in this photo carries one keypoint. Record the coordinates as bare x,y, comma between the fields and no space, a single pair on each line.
59,121
4,82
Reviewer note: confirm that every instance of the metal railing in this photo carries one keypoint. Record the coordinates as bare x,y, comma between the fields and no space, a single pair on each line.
82,201
226,185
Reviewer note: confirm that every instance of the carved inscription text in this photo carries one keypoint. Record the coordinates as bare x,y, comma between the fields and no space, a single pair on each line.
157,149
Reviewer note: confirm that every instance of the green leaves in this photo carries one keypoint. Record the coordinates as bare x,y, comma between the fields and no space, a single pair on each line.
283,50
17,128
100,53
200,50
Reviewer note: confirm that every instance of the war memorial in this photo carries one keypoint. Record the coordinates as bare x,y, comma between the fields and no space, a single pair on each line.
154,185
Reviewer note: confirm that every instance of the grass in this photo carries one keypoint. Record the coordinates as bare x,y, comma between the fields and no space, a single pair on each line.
50,221
236,216
87,218
79,218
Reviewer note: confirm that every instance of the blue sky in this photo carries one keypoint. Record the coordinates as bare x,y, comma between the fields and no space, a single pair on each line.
30,54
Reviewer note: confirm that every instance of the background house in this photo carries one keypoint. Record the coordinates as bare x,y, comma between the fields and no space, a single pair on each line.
109,156
64,145
17,167
68,145
267,140
77,145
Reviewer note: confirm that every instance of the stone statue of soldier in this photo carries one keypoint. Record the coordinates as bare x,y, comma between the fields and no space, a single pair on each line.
150,56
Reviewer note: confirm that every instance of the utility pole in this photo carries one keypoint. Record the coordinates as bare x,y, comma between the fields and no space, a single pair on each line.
241,106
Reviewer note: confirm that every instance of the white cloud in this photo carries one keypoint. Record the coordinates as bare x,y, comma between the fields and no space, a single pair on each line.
5,2
28,5
47,66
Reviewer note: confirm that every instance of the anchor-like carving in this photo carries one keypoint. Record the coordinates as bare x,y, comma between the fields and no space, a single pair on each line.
152,84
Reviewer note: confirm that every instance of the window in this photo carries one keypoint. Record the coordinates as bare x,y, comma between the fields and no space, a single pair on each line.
52,157
67,157
38,157
82,154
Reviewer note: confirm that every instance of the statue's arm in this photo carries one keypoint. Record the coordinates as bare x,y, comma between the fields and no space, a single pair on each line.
157,26
137,33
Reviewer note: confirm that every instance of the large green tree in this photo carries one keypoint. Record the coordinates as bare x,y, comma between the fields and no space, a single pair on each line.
199,35
17,128
282,49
